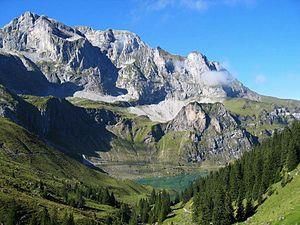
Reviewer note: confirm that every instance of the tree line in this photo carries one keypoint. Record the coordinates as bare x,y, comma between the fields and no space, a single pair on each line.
154,209
228,195
74,195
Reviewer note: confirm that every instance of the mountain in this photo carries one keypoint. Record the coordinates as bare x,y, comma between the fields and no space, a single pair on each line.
116,62
127,102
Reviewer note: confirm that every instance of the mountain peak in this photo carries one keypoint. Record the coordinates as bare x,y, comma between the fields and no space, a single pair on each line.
29,14
117,59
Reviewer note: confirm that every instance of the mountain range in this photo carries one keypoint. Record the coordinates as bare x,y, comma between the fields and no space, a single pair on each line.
106,96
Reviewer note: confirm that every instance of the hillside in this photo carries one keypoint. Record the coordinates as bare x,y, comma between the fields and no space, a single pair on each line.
33,175
233,193
283,206
263,117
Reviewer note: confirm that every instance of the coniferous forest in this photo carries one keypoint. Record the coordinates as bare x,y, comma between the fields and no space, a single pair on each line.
231,194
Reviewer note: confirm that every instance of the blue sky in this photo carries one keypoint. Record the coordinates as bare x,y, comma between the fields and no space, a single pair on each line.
257,40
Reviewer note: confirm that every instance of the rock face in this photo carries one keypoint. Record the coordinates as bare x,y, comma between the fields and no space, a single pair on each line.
216,132
70,128
21,75
114,62
62,53
153,75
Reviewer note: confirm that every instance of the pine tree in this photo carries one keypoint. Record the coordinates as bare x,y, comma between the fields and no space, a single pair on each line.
292,157
229,212
12,214
112,200
249,210
144,211
177,199
152,197
68,219
239,210
44,217
164,206
106,196
124,213
202,209
33,220
222,210
133,220
248,178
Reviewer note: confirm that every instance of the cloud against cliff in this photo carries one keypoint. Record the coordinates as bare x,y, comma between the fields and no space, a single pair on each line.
216,78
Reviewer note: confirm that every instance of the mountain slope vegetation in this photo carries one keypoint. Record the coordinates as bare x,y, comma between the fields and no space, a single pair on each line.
230,194
283,206
33,176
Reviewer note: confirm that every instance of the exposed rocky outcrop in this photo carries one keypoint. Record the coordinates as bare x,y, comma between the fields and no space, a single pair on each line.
71,128
152,75
61,52
114,62
216,132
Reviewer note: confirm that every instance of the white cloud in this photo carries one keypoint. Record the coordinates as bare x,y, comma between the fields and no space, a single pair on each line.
216,78
260,79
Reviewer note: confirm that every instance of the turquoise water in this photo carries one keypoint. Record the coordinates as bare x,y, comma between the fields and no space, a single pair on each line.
178,182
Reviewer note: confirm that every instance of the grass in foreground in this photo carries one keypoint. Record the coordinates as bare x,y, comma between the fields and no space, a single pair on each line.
282,207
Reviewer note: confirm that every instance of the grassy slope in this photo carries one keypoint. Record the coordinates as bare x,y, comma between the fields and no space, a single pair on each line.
172,146
245,107
39,102
25,160
181,215
283,207
86,103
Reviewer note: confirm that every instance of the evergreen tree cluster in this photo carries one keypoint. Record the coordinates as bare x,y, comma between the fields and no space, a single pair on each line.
154,209
38,217
75,196
71,194
239,184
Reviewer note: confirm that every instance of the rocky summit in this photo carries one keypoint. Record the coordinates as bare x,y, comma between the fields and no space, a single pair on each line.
116,63
125,101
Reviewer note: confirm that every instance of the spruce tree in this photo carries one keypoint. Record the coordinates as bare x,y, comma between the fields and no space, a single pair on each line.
68,219
125,213
12,214
249,209
44,217
239,210
33,220
292,157
152,197
229,212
